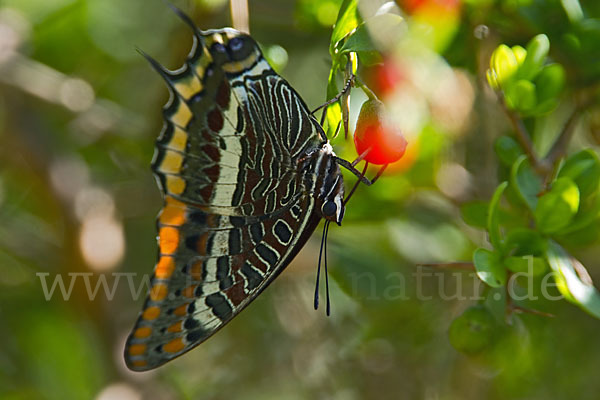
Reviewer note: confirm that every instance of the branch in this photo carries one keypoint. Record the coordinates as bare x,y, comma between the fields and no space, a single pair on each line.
513,308
466,266
559,148
523,137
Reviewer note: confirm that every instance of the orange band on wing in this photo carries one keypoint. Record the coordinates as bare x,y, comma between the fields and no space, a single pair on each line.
168,239
173,213
174,346
137,349
142,332
164,267
158,292
151,313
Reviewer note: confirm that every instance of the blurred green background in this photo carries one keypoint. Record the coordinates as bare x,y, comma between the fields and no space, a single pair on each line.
79,113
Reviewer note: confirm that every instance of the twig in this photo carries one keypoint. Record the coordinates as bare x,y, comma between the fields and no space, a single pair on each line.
370,94
523,137
466,266
521,310
559,147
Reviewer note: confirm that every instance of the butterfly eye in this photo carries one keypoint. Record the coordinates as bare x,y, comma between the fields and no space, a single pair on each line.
236,43
219,48
329,208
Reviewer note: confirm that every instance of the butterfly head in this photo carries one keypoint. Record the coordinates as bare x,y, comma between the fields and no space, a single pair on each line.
333,209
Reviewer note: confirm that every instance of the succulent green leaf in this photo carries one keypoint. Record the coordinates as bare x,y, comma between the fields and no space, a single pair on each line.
493,225
504,64
489,267
526,182
347,20
359,40
334,111
534,266
523,242
550,82
544,107
556,208
508,150
520,54
537,51
589,212
584,169
521,95
569,283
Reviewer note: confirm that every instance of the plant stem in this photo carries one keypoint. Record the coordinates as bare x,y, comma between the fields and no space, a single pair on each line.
523,137
370,94
467,266
559,147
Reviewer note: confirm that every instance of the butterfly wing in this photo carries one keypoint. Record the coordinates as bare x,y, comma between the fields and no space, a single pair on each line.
236,209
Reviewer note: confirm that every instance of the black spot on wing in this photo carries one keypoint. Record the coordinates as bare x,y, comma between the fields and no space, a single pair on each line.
283,233
257,232
267,254
196,335
190,323
235,241
253,278
219,305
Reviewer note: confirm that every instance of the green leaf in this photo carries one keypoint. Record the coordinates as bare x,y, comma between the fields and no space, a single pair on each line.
493,225
550,82
504,64
569,283
360,39
524,242
489,268
508,150
475,213
521,96
537,50
534,266
334,111
584,169
589,211
525,182
544,107
557,207
348,18
520,54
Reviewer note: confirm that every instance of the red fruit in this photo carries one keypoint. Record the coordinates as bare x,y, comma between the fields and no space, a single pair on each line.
385,142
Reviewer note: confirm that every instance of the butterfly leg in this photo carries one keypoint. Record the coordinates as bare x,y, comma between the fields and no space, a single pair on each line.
344,98
347,86
359,174
348,165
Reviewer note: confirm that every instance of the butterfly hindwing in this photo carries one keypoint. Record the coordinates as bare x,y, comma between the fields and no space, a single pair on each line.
236,210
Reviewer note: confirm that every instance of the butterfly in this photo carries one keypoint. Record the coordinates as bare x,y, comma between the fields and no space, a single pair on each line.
247,173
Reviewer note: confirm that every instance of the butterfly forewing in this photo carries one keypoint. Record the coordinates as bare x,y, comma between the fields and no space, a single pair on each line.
236,209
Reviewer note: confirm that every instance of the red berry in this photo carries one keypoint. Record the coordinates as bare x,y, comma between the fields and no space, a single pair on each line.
385,142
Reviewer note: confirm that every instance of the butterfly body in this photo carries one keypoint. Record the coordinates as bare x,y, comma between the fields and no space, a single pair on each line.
247,174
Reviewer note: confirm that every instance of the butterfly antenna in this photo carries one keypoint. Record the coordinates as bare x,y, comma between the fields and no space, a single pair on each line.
326,273
182,15
362,174
319,267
